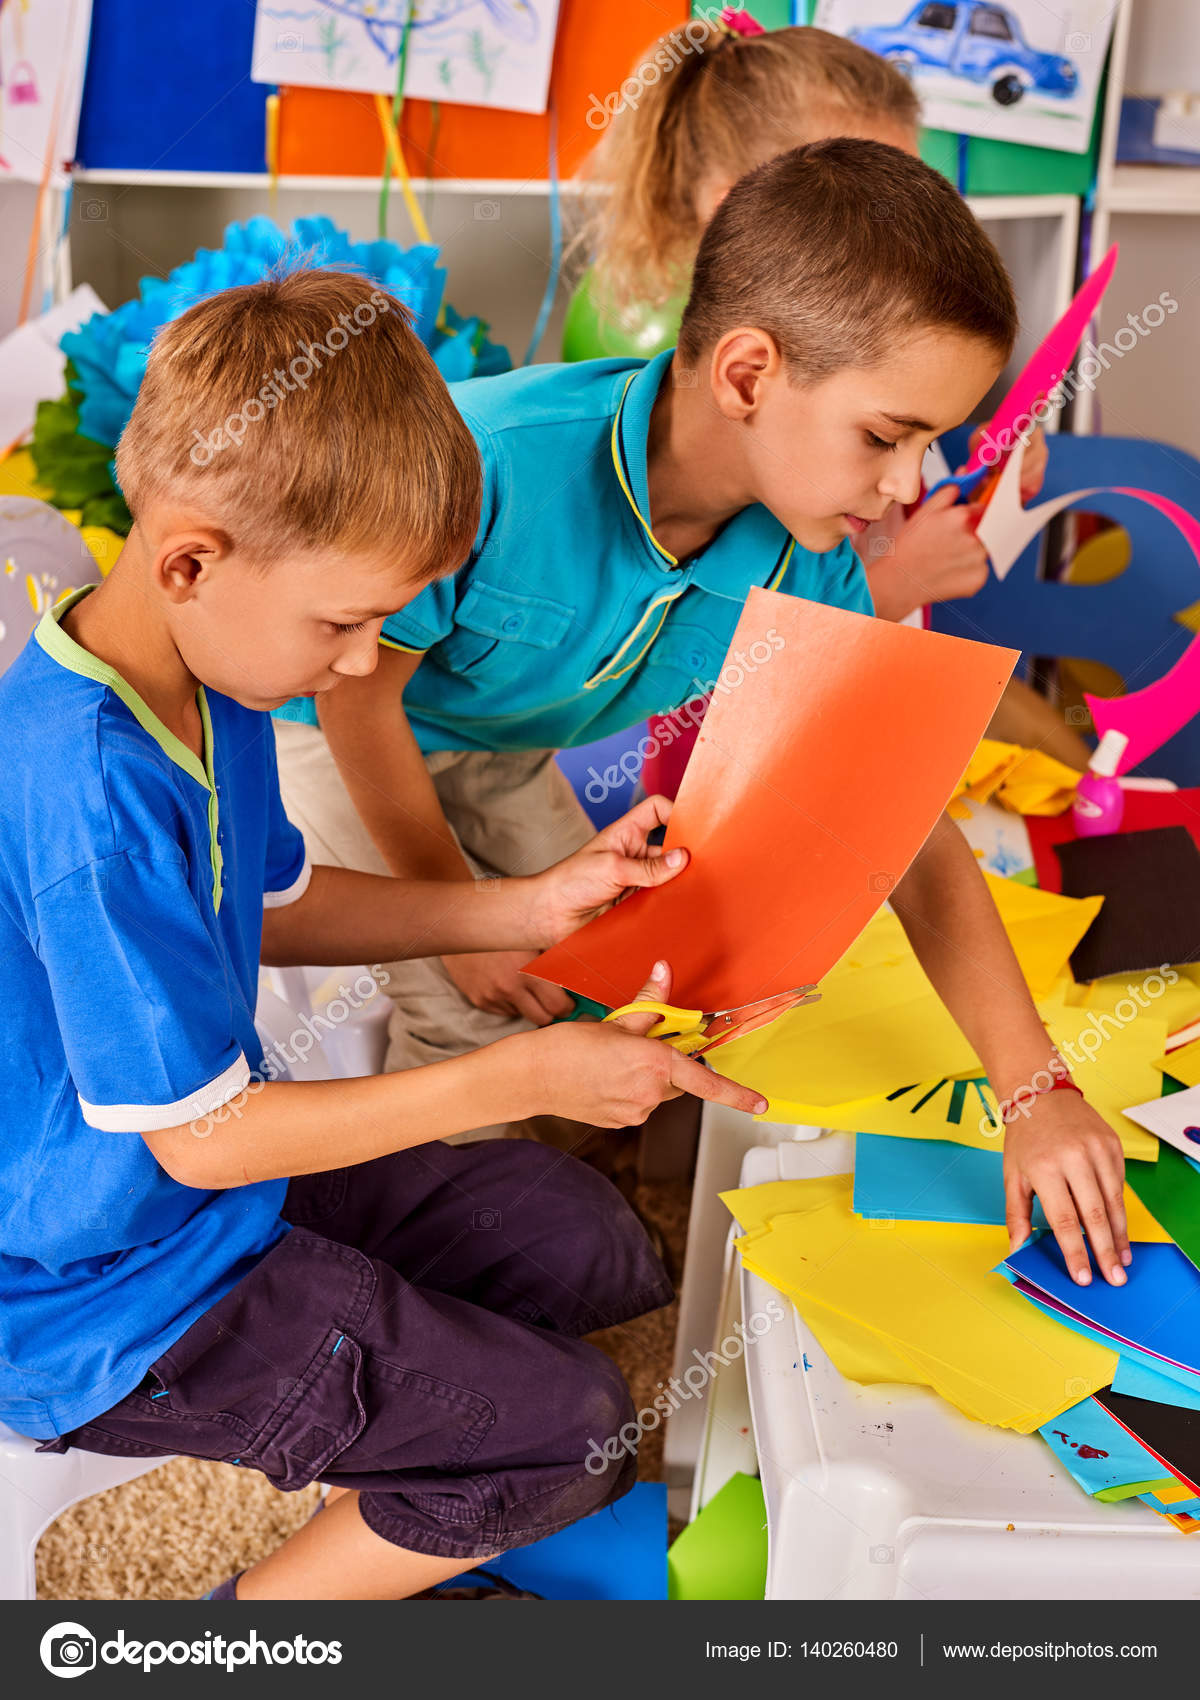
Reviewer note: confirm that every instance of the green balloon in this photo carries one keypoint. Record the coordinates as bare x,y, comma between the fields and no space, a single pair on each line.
594,329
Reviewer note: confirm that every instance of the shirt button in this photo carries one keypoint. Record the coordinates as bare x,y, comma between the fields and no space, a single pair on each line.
512,623
695,659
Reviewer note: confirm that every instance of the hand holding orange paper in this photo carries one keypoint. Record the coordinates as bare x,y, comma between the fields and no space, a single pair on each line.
819,772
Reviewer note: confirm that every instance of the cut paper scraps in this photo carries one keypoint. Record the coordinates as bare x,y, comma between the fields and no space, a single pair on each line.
813,784
930,1180
916,1303
722,1555
1026,782
1156,1314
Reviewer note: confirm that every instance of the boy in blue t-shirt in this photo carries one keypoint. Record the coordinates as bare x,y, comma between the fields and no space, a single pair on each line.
846,308
197,1257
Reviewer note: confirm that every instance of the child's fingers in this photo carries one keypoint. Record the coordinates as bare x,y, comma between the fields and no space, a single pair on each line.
1018,1206
649,870
1093,1209
635,826
550,998
691,1075
1063,1218
941,499
658,987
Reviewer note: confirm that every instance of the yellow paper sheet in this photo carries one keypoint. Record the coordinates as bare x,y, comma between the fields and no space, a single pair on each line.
1028,782
1183,1064
1113,1066
928,1291
1176,1004
879,1022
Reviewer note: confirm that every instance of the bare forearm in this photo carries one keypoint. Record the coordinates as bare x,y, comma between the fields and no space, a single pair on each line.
953,926
346,916
281,1128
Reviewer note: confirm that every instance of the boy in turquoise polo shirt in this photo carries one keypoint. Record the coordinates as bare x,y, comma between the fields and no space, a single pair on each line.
199,1257
845,310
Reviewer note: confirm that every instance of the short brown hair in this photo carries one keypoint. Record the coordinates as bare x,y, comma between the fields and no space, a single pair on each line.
839,248
362,450
705,102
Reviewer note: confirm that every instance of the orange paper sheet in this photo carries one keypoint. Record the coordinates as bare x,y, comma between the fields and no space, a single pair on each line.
816,778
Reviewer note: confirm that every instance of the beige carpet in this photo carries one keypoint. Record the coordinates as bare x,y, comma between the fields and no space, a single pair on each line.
173,1534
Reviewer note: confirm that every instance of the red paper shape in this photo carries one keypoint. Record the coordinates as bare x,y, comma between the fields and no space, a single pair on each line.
1144,810
833,743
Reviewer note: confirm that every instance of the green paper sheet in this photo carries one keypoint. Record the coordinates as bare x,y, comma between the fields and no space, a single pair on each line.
1110,1496
1170,1190
723,1554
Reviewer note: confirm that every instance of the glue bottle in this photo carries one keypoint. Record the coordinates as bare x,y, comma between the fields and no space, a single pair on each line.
1099,800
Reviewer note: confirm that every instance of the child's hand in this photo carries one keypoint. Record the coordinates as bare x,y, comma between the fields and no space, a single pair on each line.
935,558
617,861
607,1074
1070,1157
492,980
1033,467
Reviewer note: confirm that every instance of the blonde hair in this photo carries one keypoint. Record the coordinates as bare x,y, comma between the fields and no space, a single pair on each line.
304,413
839,250
702,104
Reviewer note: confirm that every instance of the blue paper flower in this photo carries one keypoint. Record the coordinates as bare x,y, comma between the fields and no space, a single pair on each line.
109,352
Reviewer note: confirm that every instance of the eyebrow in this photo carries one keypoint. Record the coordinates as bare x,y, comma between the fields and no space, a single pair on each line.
905,423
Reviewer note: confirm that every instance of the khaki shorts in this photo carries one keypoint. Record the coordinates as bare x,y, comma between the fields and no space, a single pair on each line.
512,813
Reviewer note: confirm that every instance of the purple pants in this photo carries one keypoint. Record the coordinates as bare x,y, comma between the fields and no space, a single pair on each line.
415,1336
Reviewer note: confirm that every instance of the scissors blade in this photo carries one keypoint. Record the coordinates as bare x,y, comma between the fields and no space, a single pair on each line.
726,1024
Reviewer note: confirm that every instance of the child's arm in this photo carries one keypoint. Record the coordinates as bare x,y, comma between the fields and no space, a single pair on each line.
344,916
605,1074
384,771
1060,1149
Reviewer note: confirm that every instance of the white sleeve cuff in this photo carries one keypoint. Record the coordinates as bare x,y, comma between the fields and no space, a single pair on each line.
152,1118
278,899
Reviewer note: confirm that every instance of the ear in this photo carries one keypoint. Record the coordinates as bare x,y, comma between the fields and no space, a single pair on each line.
185,558
744,362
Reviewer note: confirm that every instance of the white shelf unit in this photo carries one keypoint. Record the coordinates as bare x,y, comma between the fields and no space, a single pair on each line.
1152,210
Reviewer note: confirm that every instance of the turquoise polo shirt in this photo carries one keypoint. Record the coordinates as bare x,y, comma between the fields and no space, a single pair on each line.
570,620
133,879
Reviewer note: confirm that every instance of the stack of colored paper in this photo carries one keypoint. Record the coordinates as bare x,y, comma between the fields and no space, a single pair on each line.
914,1302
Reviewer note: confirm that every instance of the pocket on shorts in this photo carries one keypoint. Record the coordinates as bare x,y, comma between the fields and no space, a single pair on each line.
314,1198
319,1416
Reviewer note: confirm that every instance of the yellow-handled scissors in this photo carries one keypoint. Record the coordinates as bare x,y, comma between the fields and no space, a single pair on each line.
695,1031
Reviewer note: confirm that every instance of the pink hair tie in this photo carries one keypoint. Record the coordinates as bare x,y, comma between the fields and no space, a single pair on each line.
739,23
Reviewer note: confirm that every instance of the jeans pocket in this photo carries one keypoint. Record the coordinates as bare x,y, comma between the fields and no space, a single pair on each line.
320,1415
314,1198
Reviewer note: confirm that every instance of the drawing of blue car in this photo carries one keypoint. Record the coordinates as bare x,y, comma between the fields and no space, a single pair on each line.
969,39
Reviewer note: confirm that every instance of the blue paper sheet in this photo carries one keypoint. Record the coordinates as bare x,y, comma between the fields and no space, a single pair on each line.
1185,1378
1097,1450
1139,1381
1158,1309
616,1554
929,1180
1185,1508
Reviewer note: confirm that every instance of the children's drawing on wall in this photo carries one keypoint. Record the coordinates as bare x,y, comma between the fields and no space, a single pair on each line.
478,52
43,49
1017,72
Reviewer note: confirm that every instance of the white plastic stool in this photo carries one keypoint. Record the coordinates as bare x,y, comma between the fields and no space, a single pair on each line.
35,1488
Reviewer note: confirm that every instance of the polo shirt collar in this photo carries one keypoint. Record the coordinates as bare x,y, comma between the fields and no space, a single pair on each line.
63,649
752,549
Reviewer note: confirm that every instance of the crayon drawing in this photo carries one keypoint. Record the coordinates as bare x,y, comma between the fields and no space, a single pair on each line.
1015,72
478,52
43,50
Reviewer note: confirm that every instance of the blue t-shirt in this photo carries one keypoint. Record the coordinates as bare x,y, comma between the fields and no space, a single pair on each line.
570,620
132,884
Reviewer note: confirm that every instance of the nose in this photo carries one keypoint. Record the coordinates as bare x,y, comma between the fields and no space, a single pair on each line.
359,658
902,482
